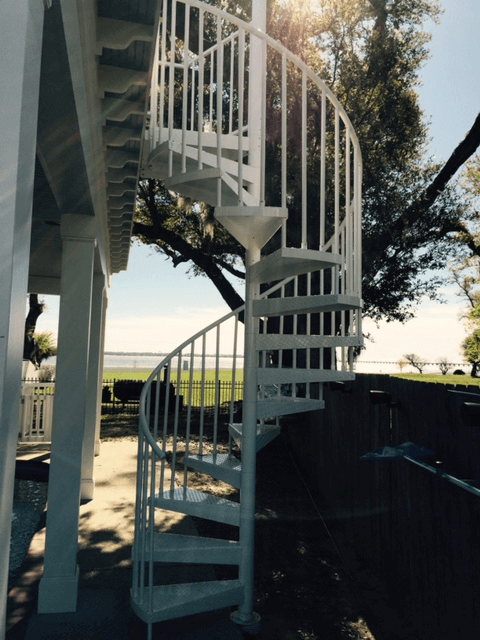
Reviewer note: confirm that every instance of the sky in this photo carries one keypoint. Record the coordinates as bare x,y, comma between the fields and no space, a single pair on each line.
154,307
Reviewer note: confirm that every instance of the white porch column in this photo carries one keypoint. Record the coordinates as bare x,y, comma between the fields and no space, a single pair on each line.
58,587
94,387
102,358
21,31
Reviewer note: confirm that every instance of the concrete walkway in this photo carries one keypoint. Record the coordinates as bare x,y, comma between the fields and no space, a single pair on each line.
105,543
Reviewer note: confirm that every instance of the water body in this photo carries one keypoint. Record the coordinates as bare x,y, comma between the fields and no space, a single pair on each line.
131,362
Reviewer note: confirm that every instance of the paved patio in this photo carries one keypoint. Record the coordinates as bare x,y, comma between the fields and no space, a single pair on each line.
105,542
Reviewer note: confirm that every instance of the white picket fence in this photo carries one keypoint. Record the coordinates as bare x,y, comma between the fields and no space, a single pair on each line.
36,412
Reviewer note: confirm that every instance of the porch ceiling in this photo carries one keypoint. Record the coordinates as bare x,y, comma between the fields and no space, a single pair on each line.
95,77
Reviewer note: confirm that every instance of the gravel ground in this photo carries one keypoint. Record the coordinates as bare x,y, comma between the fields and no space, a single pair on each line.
29,500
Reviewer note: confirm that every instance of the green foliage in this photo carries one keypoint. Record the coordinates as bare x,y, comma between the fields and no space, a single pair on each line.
472,176
439,379
471,344
187,232
370,54
471,347
46,347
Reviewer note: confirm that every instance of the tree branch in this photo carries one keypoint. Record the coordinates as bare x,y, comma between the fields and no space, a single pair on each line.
460,155
155,235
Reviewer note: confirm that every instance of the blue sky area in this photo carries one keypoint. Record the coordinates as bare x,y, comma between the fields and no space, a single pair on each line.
154,307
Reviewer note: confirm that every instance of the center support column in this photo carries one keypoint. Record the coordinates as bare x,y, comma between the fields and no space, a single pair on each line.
245,615
58,587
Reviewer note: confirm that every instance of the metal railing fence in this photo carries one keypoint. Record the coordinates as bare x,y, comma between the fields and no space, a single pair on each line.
36,403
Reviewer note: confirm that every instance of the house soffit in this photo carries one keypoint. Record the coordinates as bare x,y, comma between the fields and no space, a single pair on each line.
117,60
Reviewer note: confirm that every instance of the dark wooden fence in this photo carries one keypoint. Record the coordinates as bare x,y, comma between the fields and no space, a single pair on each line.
420,534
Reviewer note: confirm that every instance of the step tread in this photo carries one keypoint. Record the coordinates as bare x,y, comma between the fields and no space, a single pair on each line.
198,503
159,157
202,185
173,548
285,405
281,341
265,434
221,466
305,304
209,139
271,375
219,460
177,600
288,262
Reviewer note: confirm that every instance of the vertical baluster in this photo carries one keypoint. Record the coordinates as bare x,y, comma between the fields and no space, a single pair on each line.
295,332
175,419
202,396
241,98
192,98
263,126
349,251
281,330
210,110
155,426
322,319
164,418
308,331
201,81
217,390
166,409
284,145
357,186
230,101
304,160
162,68
153,132
337,180
171,84
151,513
185,88
189,409
334,290
219,77
323,134
234,380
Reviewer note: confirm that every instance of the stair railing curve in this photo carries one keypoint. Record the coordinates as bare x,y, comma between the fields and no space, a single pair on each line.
159,406
224,152
200,147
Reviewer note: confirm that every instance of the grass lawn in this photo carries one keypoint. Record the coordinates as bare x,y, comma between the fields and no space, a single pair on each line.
142,374
439,379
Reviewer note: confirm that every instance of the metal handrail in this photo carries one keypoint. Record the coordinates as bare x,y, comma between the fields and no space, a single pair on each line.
444,476
339,226
238,160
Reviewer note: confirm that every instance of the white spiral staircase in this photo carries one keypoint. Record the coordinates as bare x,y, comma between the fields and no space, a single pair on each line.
247,127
